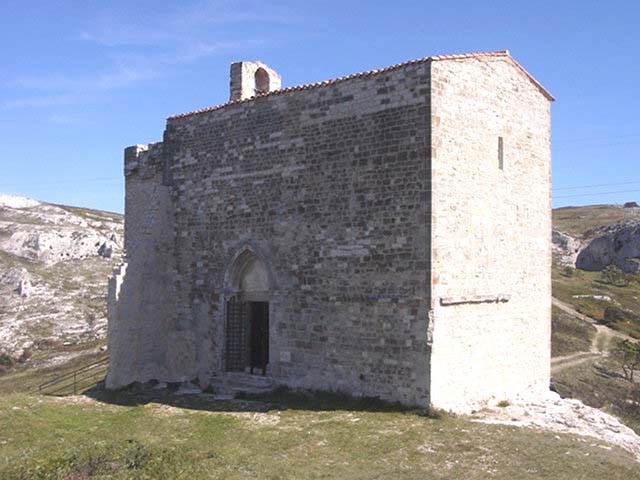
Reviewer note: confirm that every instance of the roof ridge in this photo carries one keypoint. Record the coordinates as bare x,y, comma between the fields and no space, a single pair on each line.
366,73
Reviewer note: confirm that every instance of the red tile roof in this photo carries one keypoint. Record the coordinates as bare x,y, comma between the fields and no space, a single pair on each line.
434,58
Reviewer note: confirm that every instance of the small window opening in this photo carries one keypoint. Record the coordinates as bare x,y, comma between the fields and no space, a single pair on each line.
261,81
500,153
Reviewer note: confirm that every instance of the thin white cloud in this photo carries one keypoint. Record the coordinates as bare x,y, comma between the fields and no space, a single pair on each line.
46,101
60,119
136,54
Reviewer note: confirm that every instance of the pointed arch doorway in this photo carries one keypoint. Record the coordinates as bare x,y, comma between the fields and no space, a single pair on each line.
247,315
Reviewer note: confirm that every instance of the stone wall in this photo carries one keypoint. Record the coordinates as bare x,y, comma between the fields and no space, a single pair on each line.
141,301
329,186
491,293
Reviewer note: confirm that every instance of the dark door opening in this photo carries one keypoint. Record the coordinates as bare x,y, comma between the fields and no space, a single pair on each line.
259,327
247,336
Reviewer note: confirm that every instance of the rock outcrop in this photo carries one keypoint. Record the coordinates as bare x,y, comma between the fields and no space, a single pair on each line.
548,411
565,247
54,265
617,245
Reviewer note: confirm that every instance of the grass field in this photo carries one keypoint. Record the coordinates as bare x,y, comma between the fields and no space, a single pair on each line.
572,288
296,436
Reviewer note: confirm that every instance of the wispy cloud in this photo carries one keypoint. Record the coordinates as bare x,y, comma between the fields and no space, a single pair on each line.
47,101
60,119
136,54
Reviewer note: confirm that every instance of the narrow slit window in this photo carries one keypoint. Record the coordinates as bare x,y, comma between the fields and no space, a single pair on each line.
500,153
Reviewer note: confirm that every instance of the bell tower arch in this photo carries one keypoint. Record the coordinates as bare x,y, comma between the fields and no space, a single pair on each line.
251,79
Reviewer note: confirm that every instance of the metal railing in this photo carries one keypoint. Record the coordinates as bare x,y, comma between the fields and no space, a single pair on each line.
76,381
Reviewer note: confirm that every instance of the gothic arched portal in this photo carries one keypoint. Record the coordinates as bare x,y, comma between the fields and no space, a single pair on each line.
247,318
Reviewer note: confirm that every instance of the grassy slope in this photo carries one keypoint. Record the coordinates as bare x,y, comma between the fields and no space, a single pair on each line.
177,437
596,382
590,283
570,335
581,222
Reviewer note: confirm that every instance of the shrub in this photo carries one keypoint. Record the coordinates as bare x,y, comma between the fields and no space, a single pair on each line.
612,275
5,360
613,314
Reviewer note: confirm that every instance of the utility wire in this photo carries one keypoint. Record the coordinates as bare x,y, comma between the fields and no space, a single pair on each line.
594,194
598,185
590,139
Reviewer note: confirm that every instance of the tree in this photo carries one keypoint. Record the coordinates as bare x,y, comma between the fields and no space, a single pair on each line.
629,357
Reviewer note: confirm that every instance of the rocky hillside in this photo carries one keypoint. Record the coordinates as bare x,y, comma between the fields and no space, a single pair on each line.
593,237
54,265
596,289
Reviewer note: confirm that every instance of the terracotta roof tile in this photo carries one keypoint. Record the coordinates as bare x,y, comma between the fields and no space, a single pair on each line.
433,58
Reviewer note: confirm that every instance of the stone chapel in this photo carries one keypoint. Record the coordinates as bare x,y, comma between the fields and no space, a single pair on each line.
385,234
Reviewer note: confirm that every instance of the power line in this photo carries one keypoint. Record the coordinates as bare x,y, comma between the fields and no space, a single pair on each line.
598,185
590,139
594,194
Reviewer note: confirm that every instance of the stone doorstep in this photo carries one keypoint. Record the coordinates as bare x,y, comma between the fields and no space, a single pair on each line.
234,382
241,378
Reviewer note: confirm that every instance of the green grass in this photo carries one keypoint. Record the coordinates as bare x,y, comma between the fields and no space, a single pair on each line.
590,283
25,378
569,334
172,437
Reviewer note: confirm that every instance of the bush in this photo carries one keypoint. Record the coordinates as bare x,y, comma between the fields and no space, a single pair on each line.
613,314
612,275
5,360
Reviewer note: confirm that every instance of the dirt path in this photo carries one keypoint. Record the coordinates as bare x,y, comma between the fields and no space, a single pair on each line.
600,344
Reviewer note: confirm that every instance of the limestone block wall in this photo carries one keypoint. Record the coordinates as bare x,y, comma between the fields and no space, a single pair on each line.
491,227
141,311
330,186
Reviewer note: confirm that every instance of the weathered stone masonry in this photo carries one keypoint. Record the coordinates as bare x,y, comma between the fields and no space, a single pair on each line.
355,208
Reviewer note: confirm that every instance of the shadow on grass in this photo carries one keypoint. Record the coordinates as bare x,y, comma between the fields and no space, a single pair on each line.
604,372
282,398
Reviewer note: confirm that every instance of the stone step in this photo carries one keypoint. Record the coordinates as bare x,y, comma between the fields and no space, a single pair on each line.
239,378
232,382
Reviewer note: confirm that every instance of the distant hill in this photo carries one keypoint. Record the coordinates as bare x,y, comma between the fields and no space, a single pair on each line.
54,265
584,222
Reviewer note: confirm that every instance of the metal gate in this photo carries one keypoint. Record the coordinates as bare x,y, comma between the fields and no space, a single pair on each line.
237,336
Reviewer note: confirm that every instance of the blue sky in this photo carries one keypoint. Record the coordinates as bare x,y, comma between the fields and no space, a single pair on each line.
80,80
